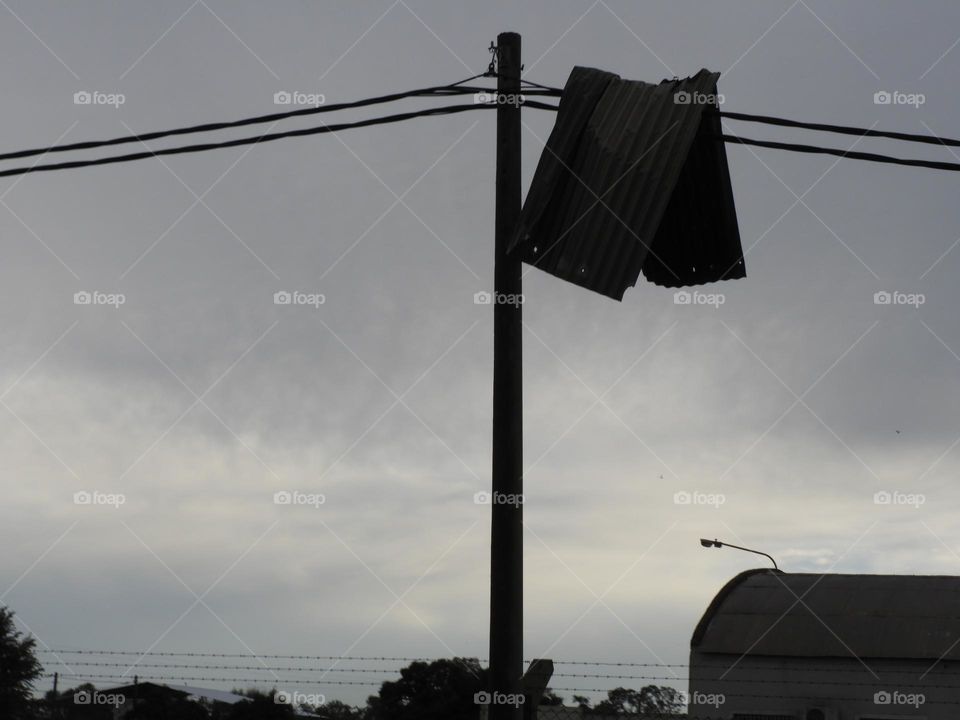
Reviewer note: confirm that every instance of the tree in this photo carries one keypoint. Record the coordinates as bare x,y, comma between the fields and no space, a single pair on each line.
336,710
651,701
439,690
19,668
582,701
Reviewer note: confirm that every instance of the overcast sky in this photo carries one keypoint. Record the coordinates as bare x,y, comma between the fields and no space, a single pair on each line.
782,411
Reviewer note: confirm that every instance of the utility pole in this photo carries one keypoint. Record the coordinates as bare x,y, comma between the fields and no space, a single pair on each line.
506,544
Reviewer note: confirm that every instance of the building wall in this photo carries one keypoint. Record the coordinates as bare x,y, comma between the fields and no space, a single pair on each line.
720,686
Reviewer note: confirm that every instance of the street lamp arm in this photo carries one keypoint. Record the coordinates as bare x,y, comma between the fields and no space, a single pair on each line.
755,552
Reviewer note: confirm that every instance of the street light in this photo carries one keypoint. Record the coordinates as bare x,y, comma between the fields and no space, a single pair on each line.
717,544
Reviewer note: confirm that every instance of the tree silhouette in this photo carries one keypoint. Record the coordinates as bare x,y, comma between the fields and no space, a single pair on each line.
19,668
651,701
439,690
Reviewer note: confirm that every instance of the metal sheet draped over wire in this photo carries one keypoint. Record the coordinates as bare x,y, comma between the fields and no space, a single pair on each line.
633,179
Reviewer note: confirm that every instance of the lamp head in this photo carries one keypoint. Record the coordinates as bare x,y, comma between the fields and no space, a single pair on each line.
710,543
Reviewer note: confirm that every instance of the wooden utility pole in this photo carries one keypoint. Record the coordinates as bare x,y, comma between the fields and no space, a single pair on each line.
506,545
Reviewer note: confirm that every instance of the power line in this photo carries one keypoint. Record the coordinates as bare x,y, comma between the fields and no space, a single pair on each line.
840,129
208,127
453,89
269,137
256,140
851,154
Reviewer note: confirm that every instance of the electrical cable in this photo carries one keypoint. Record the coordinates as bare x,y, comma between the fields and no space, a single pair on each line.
554,92
840,129
438,91
270,137
851,154
255,140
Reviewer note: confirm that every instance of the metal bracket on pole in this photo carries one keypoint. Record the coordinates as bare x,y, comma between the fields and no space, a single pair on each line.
535,682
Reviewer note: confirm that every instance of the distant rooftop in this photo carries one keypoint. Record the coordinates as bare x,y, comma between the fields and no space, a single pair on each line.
870,616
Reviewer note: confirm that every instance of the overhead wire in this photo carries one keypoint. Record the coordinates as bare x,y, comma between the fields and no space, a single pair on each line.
841,153
255,140
454,89
839,129
438,90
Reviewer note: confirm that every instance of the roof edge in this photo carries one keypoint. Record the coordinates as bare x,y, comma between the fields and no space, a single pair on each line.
718,599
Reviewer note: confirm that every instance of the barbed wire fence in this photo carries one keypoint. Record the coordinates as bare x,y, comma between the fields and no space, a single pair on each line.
330,676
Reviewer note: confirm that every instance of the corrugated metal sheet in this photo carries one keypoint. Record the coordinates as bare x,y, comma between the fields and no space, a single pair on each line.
632,180
870,616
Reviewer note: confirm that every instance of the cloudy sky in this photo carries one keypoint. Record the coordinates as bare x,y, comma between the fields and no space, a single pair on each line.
781,413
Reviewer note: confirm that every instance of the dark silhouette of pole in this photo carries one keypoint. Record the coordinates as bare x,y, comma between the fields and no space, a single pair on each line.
506,545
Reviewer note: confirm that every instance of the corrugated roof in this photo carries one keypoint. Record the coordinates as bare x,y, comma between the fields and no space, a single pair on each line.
210,694
632,180
869,616
188,690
